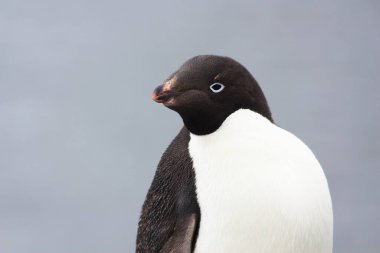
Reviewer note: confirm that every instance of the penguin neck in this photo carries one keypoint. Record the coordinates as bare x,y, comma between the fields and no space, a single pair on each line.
207,122
240,120
203,123
210,125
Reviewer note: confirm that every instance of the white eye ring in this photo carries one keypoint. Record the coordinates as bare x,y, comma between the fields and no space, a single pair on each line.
216,87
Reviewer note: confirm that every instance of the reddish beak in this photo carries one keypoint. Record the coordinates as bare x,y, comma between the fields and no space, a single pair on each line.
162,94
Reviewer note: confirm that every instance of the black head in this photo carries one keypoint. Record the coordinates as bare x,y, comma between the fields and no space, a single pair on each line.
207,89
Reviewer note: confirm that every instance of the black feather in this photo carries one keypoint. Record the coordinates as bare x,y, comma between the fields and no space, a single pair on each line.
171,200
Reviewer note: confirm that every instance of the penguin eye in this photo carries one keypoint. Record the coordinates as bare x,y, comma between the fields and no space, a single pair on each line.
216,87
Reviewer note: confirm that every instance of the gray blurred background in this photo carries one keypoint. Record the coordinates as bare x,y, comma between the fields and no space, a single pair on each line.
80,137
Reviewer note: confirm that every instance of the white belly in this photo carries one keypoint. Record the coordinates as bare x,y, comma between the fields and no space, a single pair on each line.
260,189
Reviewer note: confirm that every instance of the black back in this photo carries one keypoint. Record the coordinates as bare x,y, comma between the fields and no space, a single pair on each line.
171,204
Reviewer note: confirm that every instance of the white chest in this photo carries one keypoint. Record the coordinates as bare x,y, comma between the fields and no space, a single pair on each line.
260,189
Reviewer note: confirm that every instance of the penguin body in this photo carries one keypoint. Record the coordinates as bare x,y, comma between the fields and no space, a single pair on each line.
231,180
260,189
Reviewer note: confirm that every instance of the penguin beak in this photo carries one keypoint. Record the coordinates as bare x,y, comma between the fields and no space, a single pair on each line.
163,93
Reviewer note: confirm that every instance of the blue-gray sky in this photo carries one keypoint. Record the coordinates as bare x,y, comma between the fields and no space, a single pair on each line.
80,137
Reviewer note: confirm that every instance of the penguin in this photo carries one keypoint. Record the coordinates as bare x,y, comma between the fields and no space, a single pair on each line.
232,181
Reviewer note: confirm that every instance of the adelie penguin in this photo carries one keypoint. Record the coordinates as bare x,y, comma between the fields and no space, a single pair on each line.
232,181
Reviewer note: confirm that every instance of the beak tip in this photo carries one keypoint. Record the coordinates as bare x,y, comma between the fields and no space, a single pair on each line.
156,94
155,97
161,94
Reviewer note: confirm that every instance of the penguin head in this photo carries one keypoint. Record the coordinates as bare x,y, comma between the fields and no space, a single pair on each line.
206,89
